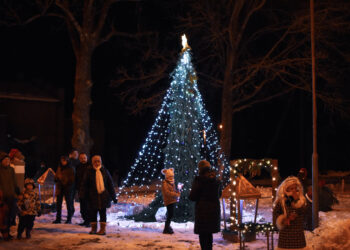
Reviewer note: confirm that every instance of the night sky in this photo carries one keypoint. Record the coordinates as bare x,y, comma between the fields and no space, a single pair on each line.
41,52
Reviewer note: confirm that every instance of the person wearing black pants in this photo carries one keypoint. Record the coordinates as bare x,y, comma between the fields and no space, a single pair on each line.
81,169
206,192
65,177
169,216
25,222
68,196
206,240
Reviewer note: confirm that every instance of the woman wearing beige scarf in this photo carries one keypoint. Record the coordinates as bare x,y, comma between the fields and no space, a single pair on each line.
97,186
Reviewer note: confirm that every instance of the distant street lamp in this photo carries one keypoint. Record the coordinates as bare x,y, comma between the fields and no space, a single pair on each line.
314,125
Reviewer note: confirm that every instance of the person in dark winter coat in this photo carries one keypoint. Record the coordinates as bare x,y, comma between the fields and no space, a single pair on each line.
170,197
84,203
289,211
65,177
97,187
29,207
74,158
10,189
206,191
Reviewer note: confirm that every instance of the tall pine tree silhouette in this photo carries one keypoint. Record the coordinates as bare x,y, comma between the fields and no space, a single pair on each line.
181,136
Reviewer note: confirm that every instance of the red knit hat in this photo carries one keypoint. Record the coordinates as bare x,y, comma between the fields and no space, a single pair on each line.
13,152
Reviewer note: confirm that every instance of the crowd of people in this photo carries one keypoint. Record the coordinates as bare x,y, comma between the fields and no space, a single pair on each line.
93,186
75,176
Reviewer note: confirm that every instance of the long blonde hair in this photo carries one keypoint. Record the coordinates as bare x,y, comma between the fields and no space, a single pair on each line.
282,192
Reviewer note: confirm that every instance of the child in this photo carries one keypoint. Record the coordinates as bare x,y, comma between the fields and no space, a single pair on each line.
29,206
289,212
3,218
170,197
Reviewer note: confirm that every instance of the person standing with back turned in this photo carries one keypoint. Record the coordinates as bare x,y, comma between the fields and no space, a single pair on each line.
206,192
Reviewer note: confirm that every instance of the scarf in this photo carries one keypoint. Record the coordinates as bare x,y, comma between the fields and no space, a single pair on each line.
100,186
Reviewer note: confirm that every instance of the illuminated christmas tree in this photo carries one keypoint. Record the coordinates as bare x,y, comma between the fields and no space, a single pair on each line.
181,136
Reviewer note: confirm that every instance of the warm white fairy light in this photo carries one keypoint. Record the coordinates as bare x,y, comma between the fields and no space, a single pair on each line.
234,223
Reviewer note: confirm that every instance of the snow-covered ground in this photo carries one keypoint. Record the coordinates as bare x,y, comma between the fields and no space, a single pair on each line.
333,232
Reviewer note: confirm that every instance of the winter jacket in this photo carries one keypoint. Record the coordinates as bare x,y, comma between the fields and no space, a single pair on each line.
290,236
88,189
74,163
79,175
206,192
28,203
8,183
65,178
170,195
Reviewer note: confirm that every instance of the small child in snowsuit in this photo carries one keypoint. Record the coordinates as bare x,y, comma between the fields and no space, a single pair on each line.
3,217
170,197
29,206
289,214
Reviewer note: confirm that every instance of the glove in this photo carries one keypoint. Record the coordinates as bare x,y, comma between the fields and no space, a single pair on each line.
115,200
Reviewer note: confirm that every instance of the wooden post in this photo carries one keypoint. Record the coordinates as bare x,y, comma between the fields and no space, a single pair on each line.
240,211
223,212
268,240
272,240
256,210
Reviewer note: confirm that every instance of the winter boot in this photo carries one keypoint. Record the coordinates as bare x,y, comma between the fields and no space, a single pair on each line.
167,229
102,228
28,236
93,228
57,221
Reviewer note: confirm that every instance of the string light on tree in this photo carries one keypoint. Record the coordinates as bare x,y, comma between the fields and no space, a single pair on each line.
181,136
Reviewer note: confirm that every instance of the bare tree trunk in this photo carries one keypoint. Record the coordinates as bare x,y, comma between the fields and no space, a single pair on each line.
82,101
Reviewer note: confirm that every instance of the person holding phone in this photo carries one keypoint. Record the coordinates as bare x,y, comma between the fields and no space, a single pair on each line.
289,214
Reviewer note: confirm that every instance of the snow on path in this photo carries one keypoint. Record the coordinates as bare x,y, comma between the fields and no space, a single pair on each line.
333,233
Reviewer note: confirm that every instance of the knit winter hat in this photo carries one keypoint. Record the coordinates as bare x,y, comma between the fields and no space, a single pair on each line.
203,164
29,181
169,173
